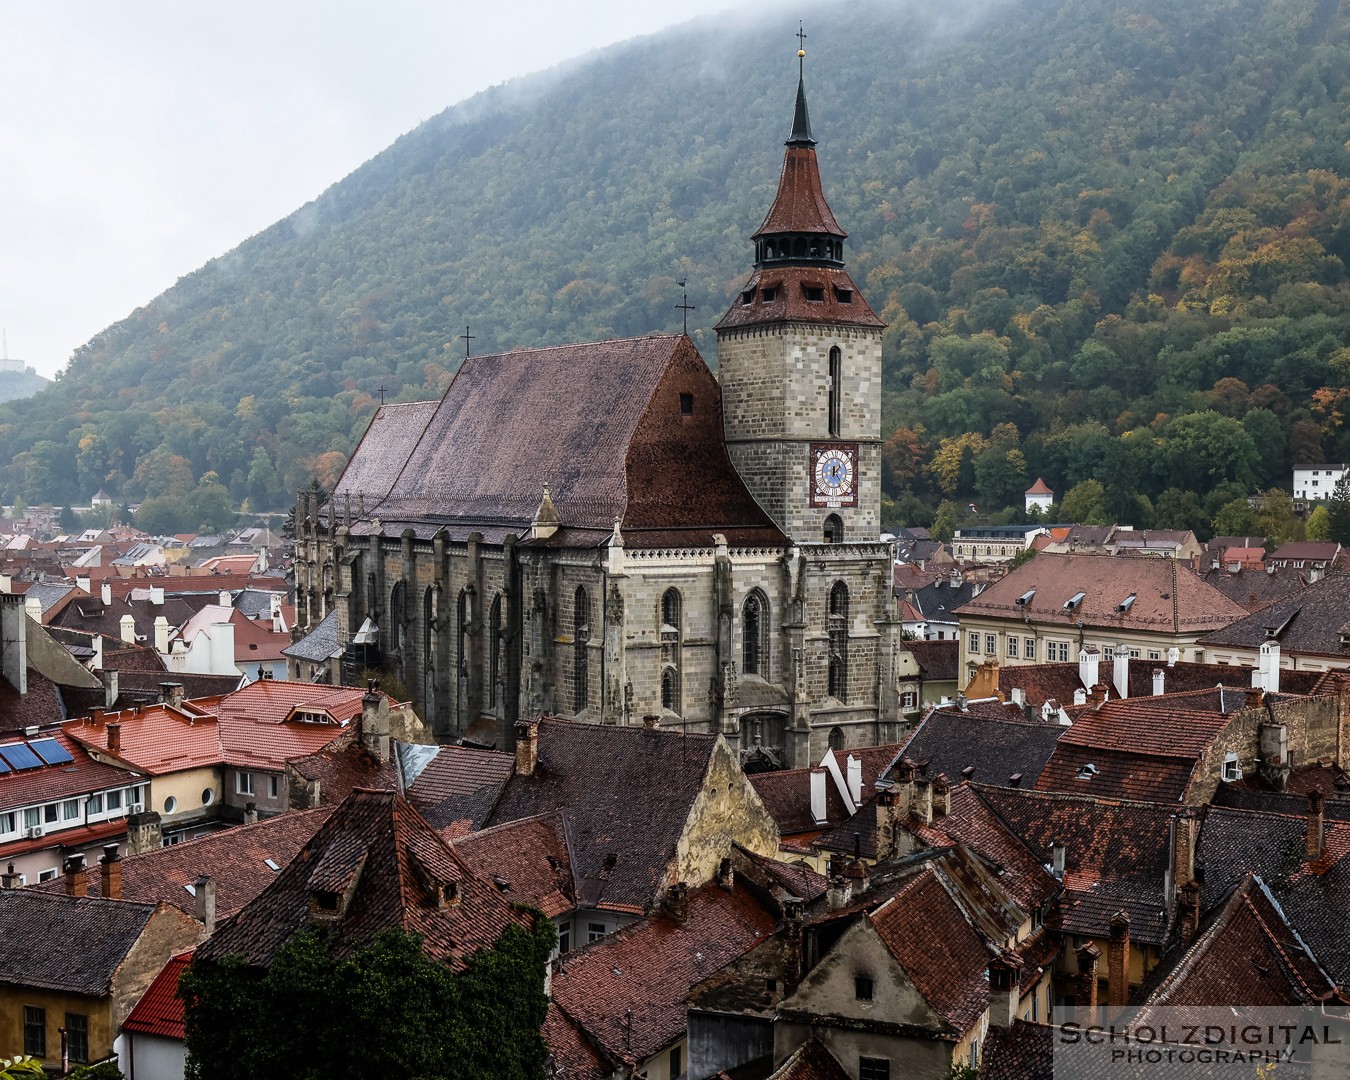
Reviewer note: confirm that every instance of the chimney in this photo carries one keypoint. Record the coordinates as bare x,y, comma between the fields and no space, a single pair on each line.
1190,911
677,901
1315,835
1185,826
128,629
1118,961
114,731
171,694
839,894
1057,860
110,681
942,797
1089,666
1004,995
144,832
921,803
1089,957
1173,655
1080,696
1097,697
793,918
110,873
161,634
375,722
75,882
854,769
890,812
651,721
726,876
1019,697
527,747
105,593
9,879
1122,671
225,599
1252,697
250,813
1159,682
157,595
818,807
205,887
1270,665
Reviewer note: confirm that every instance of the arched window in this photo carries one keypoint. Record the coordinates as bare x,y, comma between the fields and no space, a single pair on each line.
836,738
834,529
429,651
494,649
754,623
581,632
670,690
836,390
837,623
463,613
398,615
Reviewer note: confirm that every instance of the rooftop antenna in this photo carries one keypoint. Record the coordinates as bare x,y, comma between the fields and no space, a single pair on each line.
468,337
685,305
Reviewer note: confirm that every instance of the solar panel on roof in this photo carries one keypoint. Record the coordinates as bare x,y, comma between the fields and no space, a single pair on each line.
51,751
3,767
18,756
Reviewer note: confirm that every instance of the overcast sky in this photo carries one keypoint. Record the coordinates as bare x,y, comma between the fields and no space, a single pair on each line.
141,138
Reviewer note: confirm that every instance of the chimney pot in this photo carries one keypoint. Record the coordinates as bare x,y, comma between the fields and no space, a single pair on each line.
1118,961
75,882
527,747
114,732
110,872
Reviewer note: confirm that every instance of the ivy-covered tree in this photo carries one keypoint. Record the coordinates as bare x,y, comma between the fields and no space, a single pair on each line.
383,1009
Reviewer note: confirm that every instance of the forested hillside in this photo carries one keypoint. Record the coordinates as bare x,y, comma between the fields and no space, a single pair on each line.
1109,236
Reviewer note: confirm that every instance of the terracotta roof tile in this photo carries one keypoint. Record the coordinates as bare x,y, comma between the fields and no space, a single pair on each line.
787,285
938,660
1024,1051
575,1056
39,707
160,1010
343,766
1168,598
810,1061
81,775
458,788
527,859
649,967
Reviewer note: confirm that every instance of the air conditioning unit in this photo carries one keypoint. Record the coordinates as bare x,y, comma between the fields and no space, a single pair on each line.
35,832
135,808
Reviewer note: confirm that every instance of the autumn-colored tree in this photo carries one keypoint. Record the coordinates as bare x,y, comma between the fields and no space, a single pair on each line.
954,456
902,458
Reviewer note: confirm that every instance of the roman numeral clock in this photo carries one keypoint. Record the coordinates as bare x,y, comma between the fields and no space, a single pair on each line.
834,474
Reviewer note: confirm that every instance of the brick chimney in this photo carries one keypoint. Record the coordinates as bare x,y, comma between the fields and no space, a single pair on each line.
1190,910
171,694
527,747
942,797
75,882
677,901
110,872
205,888
375,722
114,731
1089,957
1185,826
1314,838
1118,961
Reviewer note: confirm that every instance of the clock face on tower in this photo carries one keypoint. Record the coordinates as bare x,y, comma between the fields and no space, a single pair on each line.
834,474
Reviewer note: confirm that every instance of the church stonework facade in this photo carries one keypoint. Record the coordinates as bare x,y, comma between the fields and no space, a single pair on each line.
607,531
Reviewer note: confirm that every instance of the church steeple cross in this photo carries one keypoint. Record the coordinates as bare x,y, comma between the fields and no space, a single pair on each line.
685,305
467,337
801,48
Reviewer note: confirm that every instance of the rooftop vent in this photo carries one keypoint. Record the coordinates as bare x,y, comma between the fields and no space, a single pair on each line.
1075,601
1025,598
1127,603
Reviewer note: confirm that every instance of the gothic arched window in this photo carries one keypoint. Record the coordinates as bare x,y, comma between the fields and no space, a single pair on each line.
672,622
398,614
754,624
494,648
834,529
581,632
837,624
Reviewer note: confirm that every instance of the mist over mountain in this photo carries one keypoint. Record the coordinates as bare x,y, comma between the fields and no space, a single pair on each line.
1109,238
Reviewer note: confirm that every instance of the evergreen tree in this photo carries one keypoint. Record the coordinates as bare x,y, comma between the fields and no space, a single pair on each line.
1338,510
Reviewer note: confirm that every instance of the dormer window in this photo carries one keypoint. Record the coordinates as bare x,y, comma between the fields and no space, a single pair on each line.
814,293
1075,601
1025,598
768,295
1127,603
843,296
747,297
326,901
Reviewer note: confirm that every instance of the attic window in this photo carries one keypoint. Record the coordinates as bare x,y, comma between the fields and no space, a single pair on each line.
862,987
686,404
1025,598
844,296
1075,601
1127,603
814,293
748,297
325,900
768,294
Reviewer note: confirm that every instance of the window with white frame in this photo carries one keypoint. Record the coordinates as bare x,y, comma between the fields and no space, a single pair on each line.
243,783
974,642
909,700
1231,769
1012,647
1030,652
991,644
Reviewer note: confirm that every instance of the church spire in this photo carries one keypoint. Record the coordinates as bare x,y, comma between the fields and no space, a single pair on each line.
801,119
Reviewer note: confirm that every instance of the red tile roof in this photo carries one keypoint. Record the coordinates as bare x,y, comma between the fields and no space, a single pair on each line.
160,1010
575,1056
528,860
81,775
1040,487
648,967
810,1061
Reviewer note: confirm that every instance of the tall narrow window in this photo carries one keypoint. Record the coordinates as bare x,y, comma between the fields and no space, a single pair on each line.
494,649
581,632
754,622
429,650
838,631
672,622
836,738
836,390
77,1030
398,615
34,1031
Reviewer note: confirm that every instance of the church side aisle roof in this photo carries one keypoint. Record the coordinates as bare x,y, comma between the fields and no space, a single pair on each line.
383,449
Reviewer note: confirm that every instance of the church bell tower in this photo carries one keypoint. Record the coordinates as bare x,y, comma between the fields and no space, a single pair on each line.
799,359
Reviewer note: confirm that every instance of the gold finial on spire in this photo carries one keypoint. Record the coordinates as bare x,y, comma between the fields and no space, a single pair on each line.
801,43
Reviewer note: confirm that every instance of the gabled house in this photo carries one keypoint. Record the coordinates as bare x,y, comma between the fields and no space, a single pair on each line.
1308,630
79,963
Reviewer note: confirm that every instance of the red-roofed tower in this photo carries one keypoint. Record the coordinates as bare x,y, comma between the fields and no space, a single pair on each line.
799,355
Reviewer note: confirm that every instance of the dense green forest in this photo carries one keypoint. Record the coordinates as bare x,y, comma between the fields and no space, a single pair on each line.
1109,237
